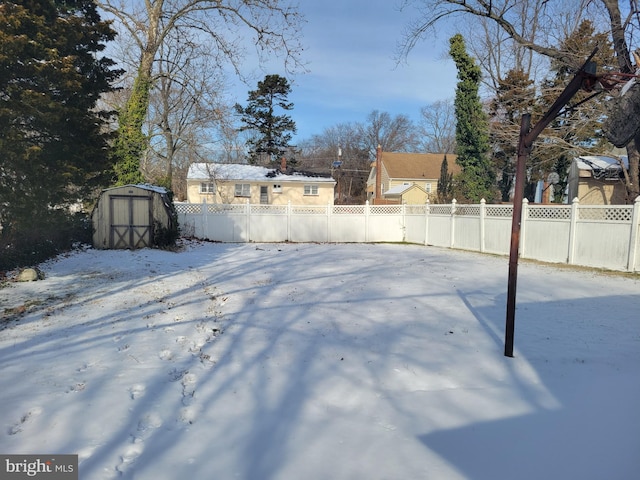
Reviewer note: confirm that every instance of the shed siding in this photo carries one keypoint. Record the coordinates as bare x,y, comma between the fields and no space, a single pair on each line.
124,217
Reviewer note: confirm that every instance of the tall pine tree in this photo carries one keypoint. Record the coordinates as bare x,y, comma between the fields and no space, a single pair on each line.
477,179
52,142
272,132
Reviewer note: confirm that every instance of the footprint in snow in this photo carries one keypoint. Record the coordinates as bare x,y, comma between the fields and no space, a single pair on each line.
188,388
78,387
137,391
146,426
189,414
165,354
25,420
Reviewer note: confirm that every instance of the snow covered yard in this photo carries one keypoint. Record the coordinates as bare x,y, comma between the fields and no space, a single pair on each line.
307,361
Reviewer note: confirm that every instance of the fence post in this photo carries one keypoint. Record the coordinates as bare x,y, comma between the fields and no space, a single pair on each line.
483,208
452,226
426,222
633,239
572,230
288,220
329,220
404,221
366,221
248,219
204,219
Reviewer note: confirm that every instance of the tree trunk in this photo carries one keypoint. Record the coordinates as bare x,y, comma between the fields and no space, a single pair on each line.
624,64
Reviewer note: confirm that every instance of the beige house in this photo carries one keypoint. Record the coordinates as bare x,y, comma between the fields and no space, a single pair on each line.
409,178
597,180
236,183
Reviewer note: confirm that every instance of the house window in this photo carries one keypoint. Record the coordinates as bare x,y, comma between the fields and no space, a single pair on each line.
277,189
207,188
427,187
243,190
311,189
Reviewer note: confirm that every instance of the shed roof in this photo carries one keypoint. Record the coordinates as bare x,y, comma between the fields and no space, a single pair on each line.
417,165
143,186
251,173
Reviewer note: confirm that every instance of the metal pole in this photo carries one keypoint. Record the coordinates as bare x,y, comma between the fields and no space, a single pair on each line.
518,196
528,135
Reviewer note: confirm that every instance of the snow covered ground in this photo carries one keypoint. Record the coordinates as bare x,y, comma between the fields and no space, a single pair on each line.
307,361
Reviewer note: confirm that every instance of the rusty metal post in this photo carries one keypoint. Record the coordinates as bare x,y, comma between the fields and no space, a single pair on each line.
528,135
518,196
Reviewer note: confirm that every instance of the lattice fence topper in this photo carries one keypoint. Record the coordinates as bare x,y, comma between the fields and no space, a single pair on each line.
309,210
506,211
188,207
385,209
609,214
225,208
468,210
269,209
440,209
549,213
415,209
348,209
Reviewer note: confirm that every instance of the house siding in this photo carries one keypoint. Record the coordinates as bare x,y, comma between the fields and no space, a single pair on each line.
290,192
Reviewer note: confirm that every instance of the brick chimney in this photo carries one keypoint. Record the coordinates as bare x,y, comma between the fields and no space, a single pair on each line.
283,164
378,194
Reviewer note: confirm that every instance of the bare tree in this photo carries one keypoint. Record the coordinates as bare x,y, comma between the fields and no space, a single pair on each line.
507,15
185,105
341,143
437,127
393,134
223,26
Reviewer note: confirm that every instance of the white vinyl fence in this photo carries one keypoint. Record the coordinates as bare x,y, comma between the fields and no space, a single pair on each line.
602,236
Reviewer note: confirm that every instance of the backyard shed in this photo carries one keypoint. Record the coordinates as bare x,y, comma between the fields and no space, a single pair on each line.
132,216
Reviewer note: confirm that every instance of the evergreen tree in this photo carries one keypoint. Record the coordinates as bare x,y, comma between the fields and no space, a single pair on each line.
477,179
579,127
52,142
272,133
445,183
515,96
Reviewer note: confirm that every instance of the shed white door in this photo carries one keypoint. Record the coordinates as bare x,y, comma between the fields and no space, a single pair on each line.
130,221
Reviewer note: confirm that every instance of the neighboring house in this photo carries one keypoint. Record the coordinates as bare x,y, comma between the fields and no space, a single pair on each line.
235,183
407,193
597,180
395,176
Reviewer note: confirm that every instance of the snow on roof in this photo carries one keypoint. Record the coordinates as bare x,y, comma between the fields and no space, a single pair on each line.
144,186
252,173
591,162
398,190
152,188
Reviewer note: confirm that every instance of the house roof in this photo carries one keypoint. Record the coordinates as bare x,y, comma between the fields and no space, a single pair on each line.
417,165
251,173
398,190
599,162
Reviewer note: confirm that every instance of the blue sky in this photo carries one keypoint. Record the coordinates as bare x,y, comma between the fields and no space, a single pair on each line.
349,48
